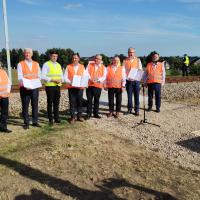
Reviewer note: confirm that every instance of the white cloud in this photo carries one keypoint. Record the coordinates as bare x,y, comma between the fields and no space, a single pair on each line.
28,2
72,6
189,1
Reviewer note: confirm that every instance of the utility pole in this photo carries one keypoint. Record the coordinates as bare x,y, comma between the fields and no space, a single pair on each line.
7,40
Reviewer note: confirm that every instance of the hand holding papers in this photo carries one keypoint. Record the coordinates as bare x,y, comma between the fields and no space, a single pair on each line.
135,74
31,83
80,81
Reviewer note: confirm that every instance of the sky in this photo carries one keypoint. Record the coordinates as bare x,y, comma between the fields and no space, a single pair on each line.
171,27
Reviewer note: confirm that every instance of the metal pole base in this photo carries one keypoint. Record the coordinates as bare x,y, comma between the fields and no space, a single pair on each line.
145,122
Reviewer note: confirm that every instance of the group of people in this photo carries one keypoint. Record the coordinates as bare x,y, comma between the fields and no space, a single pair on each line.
113,78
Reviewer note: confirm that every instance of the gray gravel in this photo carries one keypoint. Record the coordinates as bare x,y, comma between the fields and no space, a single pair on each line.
175,140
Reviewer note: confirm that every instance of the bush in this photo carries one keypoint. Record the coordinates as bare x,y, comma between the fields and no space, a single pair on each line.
173,72
194,69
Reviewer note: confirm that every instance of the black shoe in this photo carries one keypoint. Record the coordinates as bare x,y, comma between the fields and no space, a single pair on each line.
97,116
157,110
128,112
36,125
149,109
137,113
26,126
5,130
57,121
80,119
88,116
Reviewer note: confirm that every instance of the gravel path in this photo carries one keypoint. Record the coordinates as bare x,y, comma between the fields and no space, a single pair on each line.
175,139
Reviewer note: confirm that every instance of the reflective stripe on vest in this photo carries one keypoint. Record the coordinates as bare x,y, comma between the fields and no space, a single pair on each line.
95,75
4,84
187,61
154,75
30,74
71,73
55,72
129,65
114,79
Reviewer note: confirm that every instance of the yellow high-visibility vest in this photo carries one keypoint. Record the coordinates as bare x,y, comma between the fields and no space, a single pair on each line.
55,72
187,61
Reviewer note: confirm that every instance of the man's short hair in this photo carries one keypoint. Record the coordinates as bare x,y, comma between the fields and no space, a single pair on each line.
28,50
51,52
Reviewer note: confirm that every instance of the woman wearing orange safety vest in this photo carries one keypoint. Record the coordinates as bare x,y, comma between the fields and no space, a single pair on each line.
5,86
75,93
115,83
29,69
97,76
155,78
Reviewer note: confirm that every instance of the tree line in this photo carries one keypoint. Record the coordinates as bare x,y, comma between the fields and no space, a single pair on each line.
65,56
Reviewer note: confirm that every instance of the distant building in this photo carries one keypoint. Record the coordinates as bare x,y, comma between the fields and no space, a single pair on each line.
195,61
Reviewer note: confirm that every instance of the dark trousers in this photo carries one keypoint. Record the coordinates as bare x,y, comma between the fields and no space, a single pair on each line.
26,97
154,87
53,101
93,92
75,101
185,70
4,102
133,87
114,93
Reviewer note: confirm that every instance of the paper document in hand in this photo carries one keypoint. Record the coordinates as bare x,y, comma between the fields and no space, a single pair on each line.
84,81
31,84
132,74
139,75
80,81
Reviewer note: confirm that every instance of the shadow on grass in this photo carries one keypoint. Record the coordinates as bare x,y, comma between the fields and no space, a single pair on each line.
67,188
192,144
35,195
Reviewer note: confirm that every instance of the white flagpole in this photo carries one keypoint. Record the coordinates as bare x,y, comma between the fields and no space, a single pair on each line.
7,40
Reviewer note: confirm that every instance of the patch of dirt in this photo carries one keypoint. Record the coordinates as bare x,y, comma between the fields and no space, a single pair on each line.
81,162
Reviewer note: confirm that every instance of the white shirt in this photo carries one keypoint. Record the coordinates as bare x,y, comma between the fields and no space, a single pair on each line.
45,71
131,60
20,72
66,78
123,74
101,79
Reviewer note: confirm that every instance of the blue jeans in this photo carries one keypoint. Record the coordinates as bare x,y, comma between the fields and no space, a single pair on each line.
133,87
154,87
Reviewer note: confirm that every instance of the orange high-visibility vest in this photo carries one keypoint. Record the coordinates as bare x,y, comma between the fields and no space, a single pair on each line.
95,75
114,79
154,75
4,84
129,65
71,73
30,74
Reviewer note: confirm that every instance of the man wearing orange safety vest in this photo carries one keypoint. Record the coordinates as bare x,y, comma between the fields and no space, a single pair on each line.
132,86
115,83
155,78
4,102
29,69
75,93
97,76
